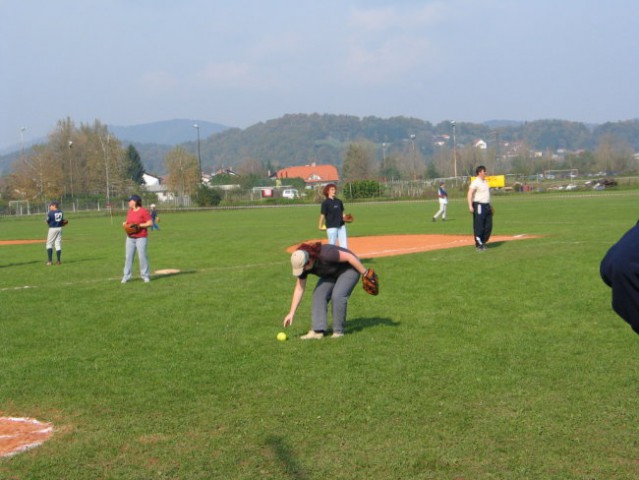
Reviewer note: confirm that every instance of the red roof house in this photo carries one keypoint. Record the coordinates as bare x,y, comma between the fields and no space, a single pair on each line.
311,174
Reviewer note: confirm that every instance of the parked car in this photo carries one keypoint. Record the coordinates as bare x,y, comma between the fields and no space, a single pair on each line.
290,193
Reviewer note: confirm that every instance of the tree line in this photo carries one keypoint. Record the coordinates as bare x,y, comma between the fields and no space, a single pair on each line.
89,161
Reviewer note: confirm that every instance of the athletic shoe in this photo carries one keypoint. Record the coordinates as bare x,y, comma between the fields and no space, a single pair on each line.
312,335
49,264
58,263
337,335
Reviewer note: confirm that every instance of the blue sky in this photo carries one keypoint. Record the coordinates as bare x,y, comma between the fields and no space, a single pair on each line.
240,62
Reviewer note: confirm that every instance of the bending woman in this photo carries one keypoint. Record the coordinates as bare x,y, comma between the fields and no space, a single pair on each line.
338,270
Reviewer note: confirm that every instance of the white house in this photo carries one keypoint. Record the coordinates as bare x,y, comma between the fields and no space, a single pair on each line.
480,144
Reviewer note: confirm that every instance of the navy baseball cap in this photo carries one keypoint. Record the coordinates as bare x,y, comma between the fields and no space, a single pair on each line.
135,198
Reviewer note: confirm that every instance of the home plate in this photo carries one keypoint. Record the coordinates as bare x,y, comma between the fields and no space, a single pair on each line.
167,271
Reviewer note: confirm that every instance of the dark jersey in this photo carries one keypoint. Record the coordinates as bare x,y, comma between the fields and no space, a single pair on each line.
54,218
619,269
333,210
327,263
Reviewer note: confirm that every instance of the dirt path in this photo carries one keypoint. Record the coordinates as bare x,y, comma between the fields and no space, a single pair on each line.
20,242
388,245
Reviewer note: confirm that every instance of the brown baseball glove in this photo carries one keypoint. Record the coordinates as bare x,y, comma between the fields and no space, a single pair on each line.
348,218
65,222
370,282
131,228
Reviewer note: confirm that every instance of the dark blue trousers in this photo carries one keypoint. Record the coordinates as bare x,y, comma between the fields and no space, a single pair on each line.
482,223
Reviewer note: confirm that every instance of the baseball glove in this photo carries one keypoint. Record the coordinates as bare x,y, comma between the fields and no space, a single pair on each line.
370,282
65,222
348,218
131,228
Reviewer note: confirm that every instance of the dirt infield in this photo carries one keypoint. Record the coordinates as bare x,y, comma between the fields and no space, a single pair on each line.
20,434
388,245
20,242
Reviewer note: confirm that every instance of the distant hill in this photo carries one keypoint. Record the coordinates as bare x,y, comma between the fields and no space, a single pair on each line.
298,139
169,132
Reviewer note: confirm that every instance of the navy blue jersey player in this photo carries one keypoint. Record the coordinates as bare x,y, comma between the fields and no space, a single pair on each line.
54,219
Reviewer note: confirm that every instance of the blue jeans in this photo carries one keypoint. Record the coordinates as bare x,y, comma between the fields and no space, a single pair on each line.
139,245
335,234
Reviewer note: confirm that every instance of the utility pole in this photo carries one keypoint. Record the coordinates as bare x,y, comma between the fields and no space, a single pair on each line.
453,124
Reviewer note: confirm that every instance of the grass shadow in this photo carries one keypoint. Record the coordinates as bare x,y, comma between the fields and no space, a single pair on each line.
161,276
359,324
21,264
285,457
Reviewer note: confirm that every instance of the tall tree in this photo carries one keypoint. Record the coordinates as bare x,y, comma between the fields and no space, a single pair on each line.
37,176
183,172
135,168
614,155
359,161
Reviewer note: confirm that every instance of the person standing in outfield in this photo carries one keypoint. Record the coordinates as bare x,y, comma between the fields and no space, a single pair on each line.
154,218
338,270
140,216
443,202
332,217
479,206
55,219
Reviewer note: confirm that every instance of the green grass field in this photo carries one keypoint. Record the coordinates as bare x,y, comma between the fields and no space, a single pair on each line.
507,364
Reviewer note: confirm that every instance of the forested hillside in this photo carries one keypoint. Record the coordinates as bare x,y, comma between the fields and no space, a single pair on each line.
301,139
304,138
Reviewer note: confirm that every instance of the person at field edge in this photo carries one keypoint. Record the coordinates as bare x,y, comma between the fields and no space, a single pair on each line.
479,205
442,196
137,242
338,270
54,219
332,217
619,269
154,218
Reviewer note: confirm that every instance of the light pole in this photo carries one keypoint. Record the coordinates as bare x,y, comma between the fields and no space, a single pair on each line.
199,157
384,147
413,159
71,169
453,124
22,139
105,151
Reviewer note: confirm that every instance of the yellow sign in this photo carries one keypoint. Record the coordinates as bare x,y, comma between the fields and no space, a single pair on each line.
494,181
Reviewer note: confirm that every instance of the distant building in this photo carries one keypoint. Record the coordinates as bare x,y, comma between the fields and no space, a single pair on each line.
154,184
149,179
311,174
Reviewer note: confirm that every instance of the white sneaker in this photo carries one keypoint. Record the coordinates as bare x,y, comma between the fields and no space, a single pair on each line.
312,335
337,335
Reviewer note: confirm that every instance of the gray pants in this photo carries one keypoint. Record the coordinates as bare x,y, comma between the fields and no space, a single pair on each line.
338,291
54,238
133,245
